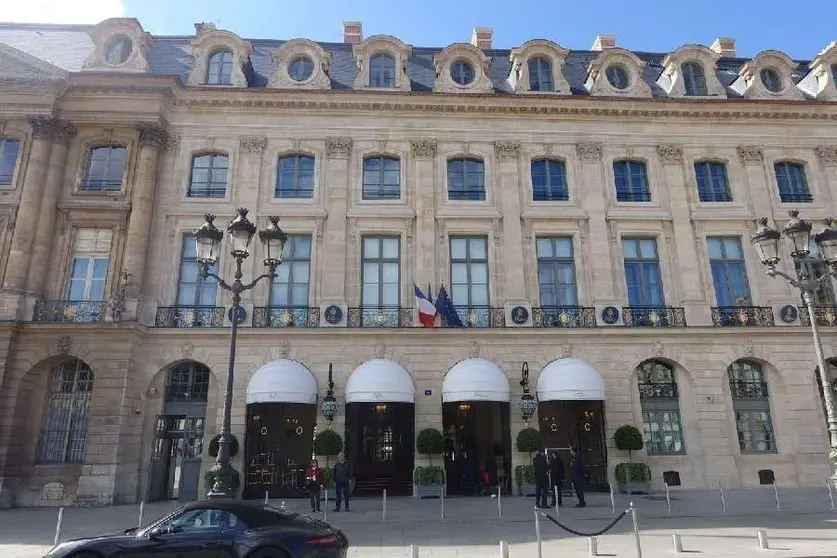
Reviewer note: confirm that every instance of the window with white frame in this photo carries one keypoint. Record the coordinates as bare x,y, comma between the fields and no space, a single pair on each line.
103,168
64,427
751,405
295,177
219,70
631,180
540,74
712,182
549,180
208,178
89,265
556,271
824,295
694,79
662,425
793,186
193,291
382,71
380,272
466,179
289,289
9,149
381,178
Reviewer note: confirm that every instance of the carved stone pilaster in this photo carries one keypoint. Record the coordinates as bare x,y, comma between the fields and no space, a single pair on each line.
338,148
750,154
63,131
506,149
43,127
589,152
827,154
670,154
423,148
153,135
253,145
172,142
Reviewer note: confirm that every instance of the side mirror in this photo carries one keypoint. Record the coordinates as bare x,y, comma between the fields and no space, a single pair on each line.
130,530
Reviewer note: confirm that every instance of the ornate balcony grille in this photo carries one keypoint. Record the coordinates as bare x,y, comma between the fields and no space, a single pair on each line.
564,316
190,316
826,316
480,317
653,316
742,316
748,389
69,311
285,316
381,316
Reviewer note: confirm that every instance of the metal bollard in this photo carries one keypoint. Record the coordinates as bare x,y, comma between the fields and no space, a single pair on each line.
384,504
830,494
265,497
593,546
557,513
678,544
141,512
636,531
762,536
776,493
414,551
325,504
612,501
499,503
442,498
723,500
504,549
668,500
59,524
538,534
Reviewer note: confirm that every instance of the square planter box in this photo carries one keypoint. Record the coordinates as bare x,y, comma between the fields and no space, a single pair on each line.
526,489
429,491
635,487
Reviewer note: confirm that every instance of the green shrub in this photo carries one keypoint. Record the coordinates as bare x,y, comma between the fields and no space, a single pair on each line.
529,440
429,475
632,473
628,438
429,442
524,474
328,477
215,443
209,480
328,443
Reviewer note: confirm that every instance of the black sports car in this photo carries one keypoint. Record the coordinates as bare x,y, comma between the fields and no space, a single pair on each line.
217,529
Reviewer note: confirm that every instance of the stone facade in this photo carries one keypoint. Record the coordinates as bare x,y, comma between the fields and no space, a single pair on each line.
162,123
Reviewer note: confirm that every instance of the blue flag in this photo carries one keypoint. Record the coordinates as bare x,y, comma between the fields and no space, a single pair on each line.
445,308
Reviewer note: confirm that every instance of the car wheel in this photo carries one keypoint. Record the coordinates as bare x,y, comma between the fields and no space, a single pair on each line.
269,553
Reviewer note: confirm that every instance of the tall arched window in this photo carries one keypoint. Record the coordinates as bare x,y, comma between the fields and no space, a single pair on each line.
694,79
64,427
220,68
209,176
751,405
382,71
540,74
662,426
187,382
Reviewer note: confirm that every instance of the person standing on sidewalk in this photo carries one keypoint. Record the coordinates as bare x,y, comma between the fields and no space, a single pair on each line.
577,476
541,468
314,482
556,472
342,476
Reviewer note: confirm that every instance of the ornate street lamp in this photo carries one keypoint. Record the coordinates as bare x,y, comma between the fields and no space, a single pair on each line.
528,405
329,405
798,235
208,243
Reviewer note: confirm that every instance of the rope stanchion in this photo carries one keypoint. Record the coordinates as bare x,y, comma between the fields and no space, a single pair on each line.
830,494
538,533
588,535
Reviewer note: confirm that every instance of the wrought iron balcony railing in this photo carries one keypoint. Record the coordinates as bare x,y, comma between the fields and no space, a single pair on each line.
741,389
564,316
653,316
286,316
657,390
826,315
190,316
380,316
69,311
479,316
742,316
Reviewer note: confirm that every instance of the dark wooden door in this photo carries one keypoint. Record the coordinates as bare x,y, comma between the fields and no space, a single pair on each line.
581,424
380,444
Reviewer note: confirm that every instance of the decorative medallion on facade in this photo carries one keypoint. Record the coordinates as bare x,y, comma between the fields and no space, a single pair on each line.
338,148
120,45
689,72
519,315
300,64
589,152
750,154
63,346
827,154
507,149
187,349
670,154
462,68
384,49
210,41
617,72
788,313
749,350
544,57
610,315
768,76
253,145
425,148
333,314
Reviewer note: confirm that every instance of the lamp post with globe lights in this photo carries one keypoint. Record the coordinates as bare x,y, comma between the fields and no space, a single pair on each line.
208,238
528,404
797,233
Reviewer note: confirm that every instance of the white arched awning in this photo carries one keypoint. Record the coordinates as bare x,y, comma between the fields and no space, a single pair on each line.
475,379
570,379
282,381
380,381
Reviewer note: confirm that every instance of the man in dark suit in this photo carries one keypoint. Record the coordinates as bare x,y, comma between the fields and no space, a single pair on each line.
541,468
577,476
556,472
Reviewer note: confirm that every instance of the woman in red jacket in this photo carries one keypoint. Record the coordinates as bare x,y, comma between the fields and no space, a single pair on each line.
314,482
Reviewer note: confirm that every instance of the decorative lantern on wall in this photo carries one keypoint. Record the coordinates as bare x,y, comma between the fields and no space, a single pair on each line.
528,405
329,405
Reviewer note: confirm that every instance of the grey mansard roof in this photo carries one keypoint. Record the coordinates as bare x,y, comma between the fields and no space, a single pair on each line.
67,46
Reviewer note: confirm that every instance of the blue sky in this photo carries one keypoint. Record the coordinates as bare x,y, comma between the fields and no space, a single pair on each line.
799,29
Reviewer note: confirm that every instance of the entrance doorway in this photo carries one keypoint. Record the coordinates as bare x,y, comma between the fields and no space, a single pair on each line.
178,435
577,423
279,442
477,440
380,441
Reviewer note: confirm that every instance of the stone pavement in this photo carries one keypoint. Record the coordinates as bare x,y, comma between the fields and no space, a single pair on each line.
805,526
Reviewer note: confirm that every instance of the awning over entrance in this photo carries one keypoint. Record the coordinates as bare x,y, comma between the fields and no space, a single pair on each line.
570,379
282,381
380,381
475,379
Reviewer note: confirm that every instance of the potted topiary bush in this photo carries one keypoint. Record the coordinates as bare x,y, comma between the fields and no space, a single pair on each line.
328,443
528,441
209,481
429,480
631,478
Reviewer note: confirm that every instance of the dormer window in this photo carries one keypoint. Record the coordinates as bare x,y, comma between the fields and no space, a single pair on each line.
771,80
220,68
120,44
462,72
694,80
834,72
301,68
382,71
617,77
537,66
300,64
462,68
540,74
118,50
768,76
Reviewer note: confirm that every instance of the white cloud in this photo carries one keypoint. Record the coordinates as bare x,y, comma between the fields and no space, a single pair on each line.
60,11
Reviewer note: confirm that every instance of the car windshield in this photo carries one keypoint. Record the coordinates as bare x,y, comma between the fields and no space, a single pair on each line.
202,519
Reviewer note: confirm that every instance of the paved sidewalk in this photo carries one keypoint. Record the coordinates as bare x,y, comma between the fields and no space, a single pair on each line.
805,526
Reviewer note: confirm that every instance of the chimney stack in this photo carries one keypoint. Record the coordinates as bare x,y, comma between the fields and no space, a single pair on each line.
603,42
352,32
481,37
724,47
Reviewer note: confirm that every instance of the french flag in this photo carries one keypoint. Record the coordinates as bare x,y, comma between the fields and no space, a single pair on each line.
426,309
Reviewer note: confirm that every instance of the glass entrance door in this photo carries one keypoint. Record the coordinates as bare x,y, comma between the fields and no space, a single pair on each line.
581,424
379,446
176,458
